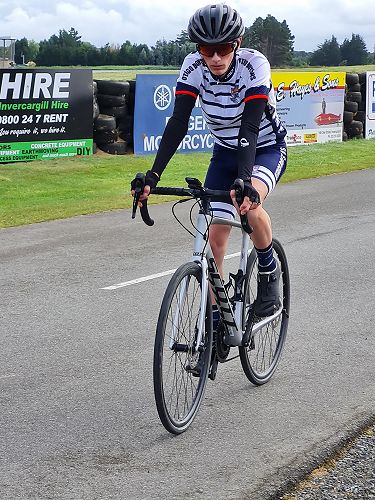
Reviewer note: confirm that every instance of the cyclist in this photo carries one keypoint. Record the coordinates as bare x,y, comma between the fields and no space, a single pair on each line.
238,104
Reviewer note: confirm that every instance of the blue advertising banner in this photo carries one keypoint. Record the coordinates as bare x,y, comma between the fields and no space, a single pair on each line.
154,102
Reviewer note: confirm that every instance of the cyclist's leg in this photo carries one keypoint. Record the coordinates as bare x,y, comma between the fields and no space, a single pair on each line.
270,164
219,236
259,218
220,175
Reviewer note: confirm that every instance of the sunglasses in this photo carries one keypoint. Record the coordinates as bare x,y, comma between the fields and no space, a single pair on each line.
222,49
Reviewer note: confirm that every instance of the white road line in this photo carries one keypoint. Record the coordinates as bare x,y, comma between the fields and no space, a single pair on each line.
154,276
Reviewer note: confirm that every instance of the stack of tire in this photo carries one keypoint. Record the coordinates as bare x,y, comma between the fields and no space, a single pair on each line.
354,106
113,126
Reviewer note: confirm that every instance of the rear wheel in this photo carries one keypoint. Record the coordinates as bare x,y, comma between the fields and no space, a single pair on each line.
178,393
260,358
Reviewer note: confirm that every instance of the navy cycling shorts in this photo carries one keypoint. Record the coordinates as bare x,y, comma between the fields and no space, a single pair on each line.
269,166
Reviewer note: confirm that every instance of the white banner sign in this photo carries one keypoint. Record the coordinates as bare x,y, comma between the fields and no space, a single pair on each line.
370,105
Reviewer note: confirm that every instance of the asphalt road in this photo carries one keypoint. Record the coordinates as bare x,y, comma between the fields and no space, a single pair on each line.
78,419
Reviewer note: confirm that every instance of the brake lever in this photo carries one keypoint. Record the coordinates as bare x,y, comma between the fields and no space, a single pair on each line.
139,184
239,190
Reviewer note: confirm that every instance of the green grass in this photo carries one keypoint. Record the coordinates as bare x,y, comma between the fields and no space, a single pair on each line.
53,189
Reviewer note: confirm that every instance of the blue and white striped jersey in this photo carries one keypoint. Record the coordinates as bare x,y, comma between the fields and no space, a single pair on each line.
223,102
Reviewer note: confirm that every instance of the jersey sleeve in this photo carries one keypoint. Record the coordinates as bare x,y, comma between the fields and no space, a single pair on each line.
258,81
190,76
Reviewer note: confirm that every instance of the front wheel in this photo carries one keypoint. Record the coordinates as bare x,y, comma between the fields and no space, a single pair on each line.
178,392
260,358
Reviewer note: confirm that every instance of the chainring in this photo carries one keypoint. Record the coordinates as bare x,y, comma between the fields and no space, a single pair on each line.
222,350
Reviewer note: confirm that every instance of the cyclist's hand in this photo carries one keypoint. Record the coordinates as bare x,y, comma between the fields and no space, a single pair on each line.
151,179
251,199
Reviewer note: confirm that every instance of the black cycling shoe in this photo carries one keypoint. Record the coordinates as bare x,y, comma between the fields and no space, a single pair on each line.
268,294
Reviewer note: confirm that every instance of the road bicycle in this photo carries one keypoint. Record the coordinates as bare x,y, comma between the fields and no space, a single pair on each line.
184,335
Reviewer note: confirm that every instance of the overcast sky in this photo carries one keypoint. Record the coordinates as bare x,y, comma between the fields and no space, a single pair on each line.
146,21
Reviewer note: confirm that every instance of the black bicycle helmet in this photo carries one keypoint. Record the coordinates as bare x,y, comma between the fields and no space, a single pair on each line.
216,23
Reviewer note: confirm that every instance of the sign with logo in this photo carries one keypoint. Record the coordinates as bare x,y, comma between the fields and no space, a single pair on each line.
45,114
310,105
370,105
154,103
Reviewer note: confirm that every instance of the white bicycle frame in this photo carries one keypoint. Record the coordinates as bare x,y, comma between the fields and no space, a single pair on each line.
230,312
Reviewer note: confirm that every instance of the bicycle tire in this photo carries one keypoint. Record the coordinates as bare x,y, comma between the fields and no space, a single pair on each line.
260,359
178,394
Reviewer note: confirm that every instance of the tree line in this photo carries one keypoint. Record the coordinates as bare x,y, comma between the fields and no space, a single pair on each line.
271,37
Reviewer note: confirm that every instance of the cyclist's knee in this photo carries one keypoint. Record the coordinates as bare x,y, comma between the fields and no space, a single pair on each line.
258,217
219,240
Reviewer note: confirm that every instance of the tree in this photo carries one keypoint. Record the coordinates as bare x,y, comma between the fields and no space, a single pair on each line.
183,39
60,50
354,51
272,38
327,54
25,51
21,51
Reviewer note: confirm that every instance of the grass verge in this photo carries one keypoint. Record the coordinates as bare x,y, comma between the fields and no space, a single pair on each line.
55,189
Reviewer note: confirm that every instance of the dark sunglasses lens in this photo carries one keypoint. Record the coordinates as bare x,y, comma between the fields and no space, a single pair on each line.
225,49
222,50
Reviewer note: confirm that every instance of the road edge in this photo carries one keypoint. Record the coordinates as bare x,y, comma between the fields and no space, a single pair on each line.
288,476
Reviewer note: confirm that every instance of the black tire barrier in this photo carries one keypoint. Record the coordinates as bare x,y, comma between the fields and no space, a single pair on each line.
107,101
351,106
105,136
95,108
113,87
131,97
354,129
94,87
115,148
125,123
125,127
105,122
362,77
344,136
363,91
126,136
352,78
356,87
354,96
116,111
360,116
348,117
362,105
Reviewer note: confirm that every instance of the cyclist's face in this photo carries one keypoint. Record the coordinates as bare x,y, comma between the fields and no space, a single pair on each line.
218,64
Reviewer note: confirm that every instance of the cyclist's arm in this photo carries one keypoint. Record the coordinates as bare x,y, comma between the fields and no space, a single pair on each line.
174,132
248,135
